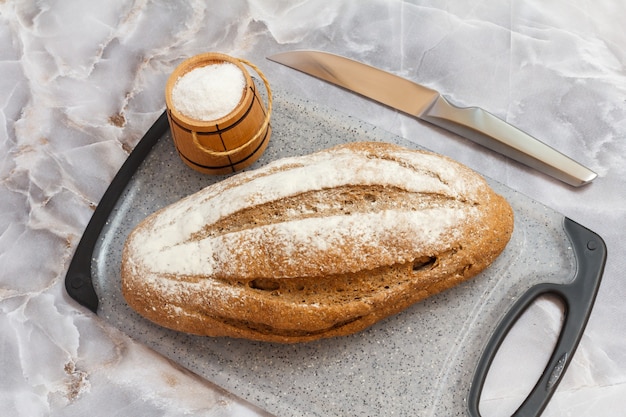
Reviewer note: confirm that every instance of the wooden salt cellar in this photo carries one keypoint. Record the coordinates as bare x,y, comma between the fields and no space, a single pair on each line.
230,143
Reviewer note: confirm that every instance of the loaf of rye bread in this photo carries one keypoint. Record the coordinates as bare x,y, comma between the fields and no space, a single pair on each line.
314,246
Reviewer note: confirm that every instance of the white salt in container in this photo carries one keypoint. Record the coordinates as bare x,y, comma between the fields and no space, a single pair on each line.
217,118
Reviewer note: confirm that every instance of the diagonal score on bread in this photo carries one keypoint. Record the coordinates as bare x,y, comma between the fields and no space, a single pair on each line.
315,246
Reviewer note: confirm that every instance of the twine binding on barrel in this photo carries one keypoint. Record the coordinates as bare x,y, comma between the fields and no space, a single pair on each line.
231,142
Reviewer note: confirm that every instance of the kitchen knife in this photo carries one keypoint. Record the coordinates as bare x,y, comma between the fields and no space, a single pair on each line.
426,104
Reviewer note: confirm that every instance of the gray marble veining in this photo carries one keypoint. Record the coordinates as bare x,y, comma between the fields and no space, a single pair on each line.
82,81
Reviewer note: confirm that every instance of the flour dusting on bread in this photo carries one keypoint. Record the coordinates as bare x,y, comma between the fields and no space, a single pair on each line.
314,246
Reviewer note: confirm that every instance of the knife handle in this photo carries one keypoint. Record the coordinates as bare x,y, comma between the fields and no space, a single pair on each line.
578,298
486,129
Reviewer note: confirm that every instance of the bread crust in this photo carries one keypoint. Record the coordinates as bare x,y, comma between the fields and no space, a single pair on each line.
317,246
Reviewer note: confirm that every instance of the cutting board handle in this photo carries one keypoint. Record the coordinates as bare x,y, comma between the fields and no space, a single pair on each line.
78,280
578,298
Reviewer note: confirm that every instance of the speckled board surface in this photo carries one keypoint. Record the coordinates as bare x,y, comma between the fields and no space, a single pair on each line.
419,362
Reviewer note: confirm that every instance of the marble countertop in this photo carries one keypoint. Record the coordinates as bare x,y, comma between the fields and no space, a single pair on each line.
83,81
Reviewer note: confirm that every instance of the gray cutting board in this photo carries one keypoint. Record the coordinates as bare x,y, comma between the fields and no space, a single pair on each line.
420,362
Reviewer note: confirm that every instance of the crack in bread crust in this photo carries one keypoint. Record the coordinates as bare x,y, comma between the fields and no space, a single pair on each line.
345,200
345,288
358,311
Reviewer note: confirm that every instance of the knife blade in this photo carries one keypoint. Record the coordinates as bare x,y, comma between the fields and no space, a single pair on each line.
429,105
